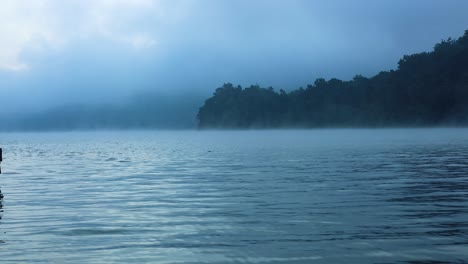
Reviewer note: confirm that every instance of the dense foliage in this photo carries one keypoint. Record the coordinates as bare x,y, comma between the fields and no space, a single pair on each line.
427,89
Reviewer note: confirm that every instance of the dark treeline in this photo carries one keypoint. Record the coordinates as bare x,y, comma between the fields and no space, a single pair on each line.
427,89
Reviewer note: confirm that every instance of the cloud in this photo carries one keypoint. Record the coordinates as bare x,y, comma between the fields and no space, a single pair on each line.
140,41
23,24
42,25
94,50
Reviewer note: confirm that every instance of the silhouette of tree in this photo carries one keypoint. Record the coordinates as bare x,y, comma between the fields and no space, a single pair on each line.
429,88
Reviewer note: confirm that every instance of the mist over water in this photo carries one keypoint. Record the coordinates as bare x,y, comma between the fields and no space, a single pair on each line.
297,196
109,113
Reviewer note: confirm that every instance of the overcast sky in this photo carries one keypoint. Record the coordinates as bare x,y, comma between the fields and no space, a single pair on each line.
56,51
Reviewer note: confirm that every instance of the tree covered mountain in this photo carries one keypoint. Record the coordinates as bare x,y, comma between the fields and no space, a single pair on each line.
427,89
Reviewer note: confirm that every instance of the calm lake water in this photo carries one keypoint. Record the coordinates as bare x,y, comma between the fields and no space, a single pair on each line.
317,196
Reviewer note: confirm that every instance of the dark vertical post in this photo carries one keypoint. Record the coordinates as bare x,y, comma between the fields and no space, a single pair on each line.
1,158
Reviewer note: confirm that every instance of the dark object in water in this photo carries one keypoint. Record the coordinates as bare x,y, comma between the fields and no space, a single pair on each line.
1,158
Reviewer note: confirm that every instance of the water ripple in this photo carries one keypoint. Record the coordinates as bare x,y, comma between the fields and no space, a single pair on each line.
322,196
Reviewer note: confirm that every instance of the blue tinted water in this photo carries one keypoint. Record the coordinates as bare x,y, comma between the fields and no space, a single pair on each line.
318,196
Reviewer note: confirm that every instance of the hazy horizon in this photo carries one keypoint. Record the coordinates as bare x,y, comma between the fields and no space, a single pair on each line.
234,131
99,52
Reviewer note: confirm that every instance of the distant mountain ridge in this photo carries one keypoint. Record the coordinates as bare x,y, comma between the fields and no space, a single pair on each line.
145,110
427,89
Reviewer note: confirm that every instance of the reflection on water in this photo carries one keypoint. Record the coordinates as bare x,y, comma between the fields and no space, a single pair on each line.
323,196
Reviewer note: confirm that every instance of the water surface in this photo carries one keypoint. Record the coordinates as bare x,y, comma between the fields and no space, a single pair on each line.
305,196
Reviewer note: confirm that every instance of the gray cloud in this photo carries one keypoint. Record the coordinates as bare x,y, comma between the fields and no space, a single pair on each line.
106,50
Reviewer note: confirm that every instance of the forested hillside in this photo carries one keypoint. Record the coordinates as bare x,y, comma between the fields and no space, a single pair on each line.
427,89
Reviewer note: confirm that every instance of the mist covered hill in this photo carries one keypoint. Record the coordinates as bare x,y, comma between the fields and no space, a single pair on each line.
427,89
143,111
